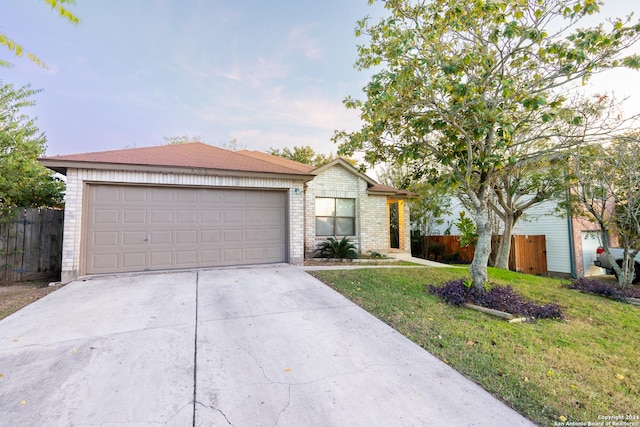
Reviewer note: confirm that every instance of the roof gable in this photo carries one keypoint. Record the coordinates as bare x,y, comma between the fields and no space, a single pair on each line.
372,186
346,165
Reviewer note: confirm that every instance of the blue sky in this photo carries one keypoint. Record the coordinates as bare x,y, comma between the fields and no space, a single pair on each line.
267,73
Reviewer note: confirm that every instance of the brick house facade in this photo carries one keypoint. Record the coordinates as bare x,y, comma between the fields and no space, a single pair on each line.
339,179
174,224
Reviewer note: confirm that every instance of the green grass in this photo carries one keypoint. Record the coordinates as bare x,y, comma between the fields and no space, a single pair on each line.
578,369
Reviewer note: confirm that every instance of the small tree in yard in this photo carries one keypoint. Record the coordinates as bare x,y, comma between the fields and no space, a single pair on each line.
520,189
463,83
23,181
607,185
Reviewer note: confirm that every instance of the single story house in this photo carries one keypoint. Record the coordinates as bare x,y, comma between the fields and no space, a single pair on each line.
195,205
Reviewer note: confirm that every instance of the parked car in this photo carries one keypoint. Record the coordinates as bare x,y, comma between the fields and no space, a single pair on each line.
617,253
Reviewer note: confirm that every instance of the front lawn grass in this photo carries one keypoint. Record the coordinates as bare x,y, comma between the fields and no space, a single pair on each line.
550,371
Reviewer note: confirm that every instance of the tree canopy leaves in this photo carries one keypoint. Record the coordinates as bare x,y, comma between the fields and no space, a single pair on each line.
304,154
23,181
61,8
478,87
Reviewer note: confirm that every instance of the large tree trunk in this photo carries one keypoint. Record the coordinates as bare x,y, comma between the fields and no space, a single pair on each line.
478,267
502,260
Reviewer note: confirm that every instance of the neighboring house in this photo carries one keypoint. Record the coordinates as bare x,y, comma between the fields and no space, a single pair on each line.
571,242
194,205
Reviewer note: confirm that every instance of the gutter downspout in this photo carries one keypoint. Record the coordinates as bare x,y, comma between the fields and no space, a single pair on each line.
572,255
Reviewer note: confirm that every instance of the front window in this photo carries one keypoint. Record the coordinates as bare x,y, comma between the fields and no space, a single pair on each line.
335,217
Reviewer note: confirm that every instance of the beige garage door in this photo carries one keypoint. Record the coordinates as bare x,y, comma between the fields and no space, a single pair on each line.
133,228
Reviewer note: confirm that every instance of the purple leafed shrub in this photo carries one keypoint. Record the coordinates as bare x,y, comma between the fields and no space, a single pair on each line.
452,292
606,289
502,298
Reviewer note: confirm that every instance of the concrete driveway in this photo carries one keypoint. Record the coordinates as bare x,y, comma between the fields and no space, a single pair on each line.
250,346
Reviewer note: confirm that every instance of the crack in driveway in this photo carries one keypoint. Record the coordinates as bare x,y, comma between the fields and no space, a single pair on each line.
217,410
195,354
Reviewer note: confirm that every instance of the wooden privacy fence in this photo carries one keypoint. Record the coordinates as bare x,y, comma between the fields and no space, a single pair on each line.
528,253
452,250
31,244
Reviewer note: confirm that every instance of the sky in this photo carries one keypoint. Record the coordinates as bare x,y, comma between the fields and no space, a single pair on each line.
269,74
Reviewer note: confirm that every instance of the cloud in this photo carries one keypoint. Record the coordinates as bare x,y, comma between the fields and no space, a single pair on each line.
299,40
266,70
260,139
309,109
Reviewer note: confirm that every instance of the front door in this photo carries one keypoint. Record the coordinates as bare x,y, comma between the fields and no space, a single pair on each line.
394,225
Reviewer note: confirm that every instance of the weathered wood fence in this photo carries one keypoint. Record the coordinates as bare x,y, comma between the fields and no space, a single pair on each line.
528,253
31,244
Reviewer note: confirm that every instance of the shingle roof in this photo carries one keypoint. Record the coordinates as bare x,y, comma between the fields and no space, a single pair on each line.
193,155
196,155
278,160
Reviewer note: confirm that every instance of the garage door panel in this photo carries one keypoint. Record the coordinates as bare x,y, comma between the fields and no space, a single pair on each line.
232,236
135,260
184,216
256,198
161,216
209,217
187,196
231,197
135,194
134,216
186,236
161,259
106,216
274,252
161,237
273,234
142,228
209,236
108,261
162,195
108,194
232,256
186,258
210,257
106,238
273,216
254,254
253,216
232,216
134,238
212,197
254,235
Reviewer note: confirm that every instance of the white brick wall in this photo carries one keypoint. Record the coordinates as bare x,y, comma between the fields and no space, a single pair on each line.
374,223
77,178
407,228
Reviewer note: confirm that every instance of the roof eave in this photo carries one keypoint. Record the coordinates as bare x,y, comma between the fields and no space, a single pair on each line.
402,195
62,166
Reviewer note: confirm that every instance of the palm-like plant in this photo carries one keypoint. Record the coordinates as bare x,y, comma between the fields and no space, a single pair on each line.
332,248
